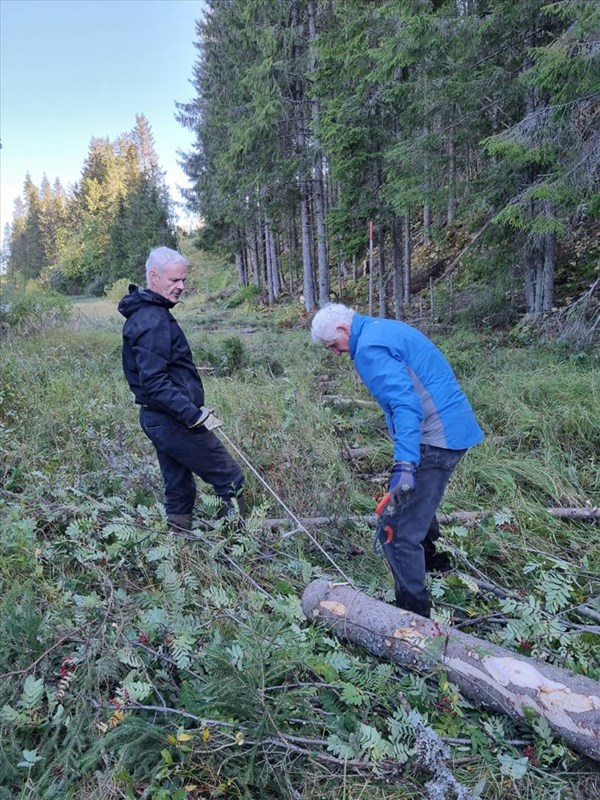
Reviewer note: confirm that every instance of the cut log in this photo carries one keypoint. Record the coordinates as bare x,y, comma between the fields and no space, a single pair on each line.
486,673
588,514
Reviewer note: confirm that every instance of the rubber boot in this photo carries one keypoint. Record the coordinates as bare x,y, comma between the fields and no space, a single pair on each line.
179,523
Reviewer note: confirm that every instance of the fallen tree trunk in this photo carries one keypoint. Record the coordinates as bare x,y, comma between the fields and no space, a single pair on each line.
587,513
346,401
486,673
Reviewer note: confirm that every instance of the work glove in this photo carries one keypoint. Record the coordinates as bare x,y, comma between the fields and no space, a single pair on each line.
402,480
207,419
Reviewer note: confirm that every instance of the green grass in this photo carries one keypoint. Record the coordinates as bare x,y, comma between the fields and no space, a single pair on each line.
100,609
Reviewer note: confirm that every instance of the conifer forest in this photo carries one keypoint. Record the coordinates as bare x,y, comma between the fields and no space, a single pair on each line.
431,161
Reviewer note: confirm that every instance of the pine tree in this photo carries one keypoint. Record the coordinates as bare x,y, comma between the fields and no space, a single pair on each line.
547,161
33,240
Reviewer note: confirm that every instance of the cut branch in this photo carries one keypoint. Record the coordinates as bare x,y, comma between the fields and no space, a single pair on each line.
346,401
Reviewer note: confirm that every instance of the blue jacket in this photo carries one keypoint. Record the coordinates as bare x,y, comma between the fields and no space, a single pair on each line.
157,360
414,385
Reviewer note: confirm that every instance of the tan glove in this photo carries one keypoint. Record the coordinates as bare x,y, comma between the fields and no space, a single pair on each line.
207,419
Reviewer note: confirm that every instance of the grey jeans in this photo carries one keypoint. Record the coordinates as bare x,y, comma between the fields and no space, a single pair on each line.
411,521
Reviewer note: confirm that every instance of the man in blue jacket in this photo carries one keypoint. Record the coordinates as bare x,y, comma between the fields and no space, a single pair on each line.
431,424
159,368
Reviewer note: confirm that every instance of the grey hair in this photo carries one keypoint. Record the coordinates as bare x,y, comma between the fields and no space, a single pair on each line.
161,256
326,321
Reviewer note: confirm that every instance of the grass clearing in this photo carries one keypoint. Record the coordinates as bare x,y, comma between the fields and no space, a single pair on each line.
135,664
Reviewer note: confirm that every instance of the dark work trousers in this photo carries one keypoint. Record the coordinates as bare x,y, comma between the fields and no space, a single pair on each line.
183,452
411,522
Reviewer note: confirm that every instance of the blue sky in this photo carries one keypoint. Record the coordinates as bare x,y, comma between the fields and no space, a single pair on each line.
71,70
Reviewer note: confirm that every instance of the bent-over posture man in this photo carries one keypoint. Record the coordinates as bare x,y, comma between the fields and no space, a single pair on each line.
159,368
429,419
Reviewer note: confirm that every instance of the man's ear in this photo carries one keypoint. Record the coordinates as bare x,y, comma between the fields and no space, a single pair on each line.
343,328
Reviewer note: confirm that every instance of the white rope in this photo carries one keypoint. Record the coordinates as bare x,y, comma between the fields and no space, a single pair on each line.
288,510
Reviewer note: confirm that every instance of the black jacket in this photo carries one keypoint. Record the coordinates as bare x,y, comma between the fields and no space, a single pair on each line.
157,359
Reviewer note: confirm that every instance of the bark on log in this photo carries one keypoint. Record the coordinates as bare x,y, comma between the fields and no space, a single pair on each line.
486,673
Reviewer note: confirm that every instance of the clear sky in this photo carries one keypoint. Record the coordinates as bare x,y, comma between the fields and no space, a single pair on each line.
71,70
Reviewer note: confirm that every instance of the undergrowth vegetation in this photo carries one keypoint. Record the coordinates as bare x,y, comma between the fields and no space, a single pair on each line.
139,664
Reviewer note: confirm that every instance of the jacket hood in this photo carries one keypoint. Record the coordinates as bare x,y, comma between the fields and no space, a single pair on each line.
139,297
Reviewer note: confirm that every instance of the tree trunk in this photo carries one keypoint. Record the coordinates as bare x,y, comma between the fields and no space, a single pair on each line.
239,268
255,257
407,259
487,674
451,181
586,514
426,223
319,193
268,266
275,265
547,277
371,268
293,248
529,275
307,264
342,274
305,221
397,267
381,270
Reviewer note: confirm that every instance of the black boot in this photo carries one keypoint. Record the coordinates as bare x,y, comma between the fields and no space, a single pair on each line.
418,604
179,523
232,512
232,508
434,561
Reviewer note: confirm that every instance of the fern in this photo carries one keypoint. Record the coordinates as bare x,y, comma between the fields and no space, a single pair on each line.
158,553
32,694
217,596
125,534
352,694
515,768
91,601
340,748
339,660
373,744
401,727
153,619
557,589
12,716
235,654
128,657
182,647
170,578
133,690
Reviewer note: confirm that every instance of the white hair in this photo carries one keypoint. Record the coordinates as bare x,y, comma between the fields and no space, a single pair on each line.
326,321
161,256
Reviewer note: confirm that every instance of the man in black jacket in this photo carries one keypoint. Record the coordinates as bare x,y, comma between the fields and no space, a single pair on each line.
159,368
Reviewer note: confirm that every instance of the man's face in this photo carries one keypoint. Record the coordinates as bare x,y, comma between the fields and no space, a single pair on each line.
340,344
169,282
